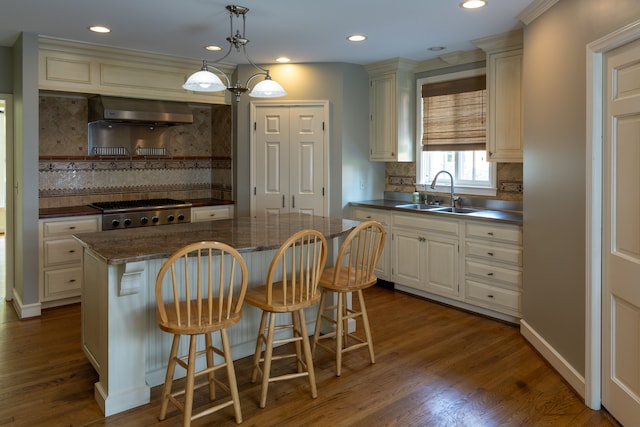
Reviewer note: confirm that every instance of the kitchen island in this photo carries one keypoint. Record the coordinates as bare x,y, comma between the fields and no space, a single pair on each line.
119,332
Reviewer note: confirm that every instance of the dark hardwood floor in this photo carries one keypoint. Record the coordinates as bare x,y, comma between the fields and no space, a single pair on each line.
435,366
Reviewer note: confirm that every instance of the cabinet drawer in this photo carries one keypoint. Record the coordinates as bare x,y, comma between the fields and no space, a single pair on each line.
426,222
491,272
69,227
62,283
210,214
493,297
370,214
489,251
62,251
501,233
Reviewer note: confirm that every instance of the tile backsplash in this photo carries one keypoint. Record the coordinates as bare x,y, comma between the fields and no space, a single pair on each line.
401,177
198,164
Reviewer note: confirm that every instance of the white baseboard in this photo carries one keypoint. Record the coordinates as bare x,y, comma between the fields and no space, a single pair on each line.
25,311
566,371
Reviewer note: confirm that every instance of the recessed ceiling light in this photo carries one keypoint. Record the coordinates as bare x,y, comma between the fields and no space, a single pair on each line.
212,47
99,29
437,48
357,38
283,59
473,4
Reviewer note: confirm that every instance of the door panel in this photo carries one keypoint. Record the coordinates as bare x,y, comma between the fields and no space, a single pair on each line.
307,138
272,178
621,236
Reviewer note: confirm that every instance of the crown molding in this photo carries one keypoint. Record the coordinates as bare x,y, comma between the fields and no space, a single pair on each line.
534,10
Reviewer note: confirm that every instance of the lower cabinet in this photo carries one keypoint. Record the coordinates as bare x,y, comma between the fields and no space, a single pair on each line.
60,278
469,263
493,266
383,269
211,213
426,253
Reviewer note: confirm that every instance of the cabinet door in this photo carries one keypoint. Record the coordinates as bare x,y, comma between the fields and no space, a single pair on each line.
382,127
504,118
441,266
407,248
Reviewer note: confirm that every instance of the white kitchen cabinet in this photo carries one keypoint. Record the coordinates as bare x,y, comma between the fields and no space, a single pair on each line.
504,90
383,269
493,266
392,110
60,260
426,253
289,148
211,213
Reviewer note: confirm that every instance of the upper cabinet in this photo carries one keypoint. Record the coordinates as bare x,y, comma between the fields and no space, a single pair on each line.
504,88
83,68
392,110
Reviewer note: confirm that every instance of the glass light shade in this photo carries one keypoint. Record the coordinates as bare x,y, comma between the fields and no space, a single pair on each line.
204,81
267,89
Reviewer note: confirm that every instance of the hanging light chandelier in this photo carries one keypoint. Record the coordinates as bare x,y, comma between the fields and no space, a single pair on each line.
206,81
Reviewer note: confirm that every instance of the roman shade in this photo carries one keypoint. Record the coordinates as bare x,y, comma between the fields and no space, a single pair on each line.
454,115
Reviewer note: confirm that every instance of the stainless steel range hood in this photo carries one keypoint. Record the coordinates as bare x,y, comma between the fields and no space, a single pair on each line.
143,111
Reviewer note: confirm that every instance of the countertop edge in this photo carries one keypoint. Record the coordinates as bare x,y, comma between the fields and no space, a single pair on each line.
391,205
86,210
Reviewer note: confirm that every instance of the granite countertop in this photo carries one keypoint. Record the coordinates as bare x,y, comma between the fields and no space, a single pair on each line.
482,214
245,234
89,210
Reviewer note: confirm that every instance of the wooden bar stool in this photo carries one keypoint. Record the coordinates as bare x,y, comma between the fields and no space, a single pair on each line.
353,272
291,286
202,294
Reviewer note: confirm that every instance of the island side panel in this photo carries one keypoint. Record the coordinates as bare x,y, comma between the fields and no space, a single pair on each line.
116,309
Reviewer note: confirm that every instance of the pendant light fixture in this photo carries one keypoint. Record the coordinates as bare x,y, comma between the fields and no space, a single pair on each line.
206,81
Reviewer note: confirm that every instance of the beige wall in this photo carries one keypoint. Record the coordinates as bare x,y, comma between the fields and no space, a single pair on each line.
554,166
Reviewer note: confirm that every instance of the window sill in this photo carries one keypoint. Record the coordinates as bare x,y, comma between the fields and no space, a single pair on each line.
459,190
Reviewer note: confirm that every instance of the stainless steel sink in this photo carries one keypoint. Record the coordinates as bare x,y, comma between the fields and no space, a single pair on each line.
420,206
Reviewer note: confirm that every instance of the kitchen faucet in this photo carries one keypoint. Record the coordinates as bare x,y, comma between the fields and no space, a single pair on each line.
433,186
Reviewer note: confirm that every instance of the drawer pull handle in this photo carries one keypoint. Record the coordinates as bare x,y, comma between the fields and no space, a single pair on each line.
72,251
490,233
212,215
489,296
368,216
73,227
490,253
489,274
72,281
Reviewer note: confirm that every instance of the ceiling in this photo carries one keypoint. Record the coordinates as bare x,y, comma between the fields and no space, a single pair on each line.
303,30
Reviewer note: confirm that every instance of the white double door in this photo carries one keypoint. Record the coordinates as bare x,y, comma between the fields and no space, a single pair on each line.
289,156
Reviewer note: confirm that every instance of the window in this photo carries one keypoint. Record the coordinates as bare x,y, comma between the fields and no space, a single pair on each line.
453,133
